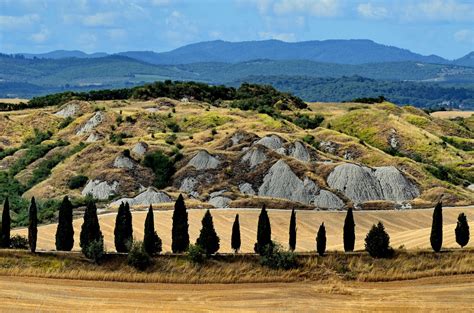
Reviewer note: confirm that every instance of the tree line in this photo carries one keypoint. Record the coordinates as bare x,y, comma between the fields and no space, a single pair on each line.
377,240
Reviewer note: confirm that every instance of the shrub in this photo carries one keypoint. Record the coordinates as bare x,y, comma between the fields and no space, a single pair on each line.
161,165
65,123
195,254
95,250
377,242
171,139
274,257
19,242
77,181
462,230
138,257
307,122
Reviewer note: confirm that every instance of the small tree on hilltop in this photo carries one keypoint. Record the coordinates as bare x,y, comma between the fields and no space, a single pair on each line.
151,242
462,230
90,232
321,240
32,225
179,233
235,239
5,234
349,231
208,239
65,230
377,242
264,232
123,231
436,237
292,231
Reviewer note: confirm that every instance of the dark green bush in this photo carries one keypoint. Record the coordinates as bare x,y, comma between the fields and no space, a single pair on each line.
306,122
138,258
196,254
275,257
77,181
19,242
95,250
161,165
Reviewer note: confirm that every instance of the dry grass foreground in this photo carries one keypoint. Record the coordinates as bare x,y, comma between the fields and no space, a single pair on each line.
410,228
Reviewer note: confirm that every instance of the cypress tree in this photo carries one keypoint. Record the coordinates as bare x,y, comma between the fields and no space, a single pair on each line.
33,225
208,239
179,233
235,240
321,240
349,231
264,232
377,242
436,237
151,241
90,230
123,232
292,235
65,230
462,230
5,234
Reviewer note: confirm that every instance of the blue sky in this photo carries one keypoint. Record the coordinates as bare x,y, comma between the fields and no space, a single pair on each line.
442,27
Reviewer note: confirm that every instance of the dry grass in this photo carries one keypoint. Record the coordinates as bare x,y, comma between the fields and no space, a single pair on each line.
452,114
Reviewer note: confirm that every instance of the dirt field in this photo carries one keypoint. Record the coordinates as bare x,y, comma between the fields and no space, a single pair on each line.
409,228
452,114
422,295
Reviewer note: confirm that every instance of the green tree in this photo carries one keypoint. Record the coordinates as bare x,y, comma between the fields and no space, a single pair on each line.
377,242
264,232
436,237
179,232
33,225
462,230
292,231
90,230
138,257
208,239
321,240
161,165
65,230
6,221
349,231
123,232
151,242
235,239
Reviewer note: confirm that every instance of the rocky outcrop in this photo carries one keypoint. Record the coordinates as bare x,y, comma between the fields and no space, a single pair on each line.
236,138
100,190
70,110
217,200
94,137
204,161
360,183
299,151
92,123
471,187
247,189
272,142
140,149
327,200
329,147
122,161
148,197
254,156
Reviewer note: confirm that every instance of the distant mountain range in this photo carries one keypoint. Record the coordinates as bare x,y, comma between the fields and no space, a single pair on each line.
355,51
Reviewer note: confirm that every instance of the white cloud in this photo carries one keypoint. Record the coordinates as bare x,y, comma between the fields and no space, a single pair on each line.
180,29
117,34
161,2
324,8
465,36
40,36
368,10
99,19
440,10
278,36
18,22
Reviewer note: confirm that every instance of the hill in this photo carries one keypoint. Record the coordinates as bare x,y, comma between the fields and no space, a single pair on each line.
467,60
63,54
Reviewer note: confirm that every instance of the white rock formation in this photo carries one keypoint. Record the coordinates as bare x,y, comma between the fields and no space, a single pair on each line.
122,161
327,200
220,202
254,156
188,184
94,137
299,151
92,123
471,187
70,110
100,190
204,161
150,196
236,138
272,142
395,186
140,149
328,146
247,189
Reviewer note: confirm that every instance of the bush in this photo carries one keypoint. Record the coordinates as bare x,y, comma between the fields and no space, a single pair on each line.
196,254
307,122
377,242
171,139
95,250
137,257
19,242
76,182
65,123
274,257
161,165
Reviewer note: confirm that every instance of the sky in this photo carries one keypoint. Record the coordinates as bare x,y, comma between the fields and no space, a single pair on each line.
441,27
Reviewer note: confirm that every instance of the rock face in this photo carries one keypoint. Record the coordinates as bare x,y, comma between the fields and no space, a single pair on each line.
220,202
122,161
140,149
471,187
69,110
299,151
329,146
236,138
327,200
100,190
92,123
188,184
247,189
254,156
94,137
361,183
272,142
204,161
150,196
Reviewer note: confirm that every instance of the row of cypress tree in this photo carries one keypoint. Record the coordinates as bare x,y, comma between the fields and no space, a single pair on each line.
208,240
